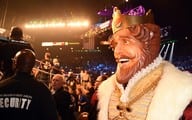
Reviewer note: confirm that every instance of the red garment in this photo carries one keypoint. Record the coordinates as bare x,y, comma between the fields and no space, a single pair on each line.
187,115
94,99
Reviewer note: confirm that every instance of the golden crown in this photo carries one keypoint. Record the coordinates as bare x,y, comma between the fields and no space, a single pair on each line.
122,21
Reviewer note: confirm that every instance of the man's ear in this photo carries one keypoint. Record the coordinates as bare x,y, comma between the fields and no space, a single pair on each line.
13,63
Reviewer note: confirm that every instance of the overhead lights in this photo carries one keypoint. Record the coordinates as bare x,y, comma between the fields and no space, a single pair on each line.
57,24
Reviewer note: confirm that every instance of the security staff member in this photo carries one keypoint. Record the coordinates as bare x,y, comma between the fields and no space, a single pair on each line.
21,96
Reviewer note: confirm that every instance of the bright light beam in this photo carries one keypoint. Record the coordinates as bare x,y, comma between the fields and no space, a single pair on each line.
171,54
162,49
165,53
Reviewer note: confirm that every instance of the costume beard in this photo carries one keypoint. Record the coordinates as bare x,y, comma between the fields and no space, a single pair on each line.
126,71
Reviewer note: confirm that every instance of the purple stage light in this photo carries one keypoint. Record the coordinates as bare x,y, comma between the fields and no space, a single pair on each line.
106,12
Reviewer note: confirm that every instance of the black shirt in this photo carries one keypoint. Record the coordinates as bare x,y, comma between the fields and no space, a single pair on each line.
63,101
24,98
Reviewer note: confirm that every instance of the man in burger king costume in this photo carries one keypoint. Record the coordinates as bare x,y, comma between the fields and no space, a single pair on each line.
144,86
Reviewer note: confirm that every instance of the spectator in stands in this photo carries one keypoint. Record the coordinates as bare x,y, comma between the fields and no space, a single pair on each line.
94,98
85,78
56,68
89,90
22,97
44,69
82,100
62,98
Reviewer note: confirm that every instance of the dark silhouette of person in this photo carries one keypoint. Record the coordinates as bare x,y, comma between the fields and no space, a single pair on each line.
22,97
9,47
16,34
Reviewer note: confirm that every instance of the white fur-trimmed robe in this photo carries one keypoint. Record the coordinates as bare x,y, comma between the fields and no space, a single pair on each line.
172,94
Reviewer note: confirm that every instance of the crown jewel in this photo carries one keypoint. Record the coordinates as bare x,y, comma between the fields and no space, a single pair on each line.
122,21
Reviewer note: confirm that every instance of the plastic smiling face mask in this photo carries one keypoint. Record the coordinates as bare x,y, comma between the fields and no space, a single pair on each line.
135,42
